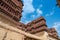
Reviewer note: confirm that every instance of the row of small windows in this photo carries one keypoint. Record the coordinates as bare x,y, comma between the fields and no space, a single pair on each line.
13,5
5,13
41,22
9,9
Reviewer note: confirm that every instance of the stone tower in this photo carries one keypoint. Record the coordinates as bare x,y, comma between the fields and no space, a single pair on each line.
12,29
11,8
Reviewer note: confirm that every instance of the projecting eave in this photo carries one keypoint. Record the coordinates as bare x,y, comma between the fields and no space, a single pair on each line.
54,37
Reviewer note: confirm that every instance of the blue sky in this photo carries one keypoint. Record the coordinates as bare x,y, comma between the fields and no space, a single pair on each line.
33,9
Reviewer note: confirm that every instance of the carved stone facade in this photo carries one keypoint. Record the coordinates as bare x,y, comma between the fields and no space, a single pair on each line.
12,29
11,8
37,25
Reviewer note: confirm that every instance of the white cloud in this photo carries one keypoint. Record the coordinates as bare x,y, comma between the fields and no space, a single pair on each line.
39,12
41,5
57,27
26,21
51,13
47,15
33,16
28,6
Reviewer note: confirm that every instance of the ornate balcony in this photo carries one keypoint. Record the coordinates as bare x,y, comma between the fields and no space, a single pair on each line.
8,7
42,22
52,32
36,30
34,22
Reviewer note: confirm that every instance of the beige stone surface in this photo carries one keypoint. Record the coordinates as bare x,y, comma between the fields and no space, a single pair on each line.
2,33
51,38
5,33
14,36
11,27
13,33
9,31
43,35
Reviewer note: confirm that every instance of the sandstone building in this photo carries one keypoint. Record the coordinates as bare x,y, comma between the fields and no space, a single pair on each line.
12,29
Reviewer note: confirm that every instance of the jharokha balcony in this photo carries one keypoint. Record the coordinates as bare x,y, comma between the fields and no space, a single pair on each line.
40,29
9,8
52,32
37,26
36,21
